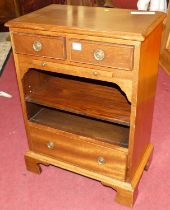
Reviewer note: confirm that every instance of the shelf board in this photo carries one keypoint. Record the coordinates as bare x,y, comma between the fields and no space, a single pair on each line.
92,99
104,131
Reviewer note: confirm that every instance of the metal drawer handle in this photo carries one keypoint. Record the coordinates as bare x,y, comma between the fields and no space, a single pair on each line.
101,160
95,73
43,64
37,46
99,54
50,145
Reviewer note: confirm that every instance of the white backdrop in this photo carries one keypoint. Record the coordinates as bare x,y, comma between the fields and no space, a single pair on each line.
152,5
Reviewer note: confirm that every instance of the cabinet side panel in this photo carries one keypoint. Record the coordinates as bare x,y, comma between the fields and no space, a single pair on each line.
21,69
145,83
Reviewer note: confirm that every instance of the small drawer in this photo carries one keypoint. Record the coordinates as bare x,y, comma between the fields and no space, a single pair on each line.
37,45
79,152
101,54
89,73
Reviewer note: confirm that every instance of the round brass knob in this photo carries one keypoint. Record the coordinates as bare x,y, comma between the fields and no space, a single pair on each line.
50,145
37,46
99,54
95,73
43,64
101,160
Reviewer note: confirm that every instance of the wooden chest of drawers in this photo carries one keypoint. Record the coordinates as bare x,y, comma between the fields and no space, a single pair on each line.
87,90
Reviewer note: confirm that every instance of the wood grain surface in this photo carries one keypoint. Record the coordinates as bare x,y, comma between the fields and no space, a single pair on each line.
115,56
88,97
75,109
52,47
106,132
67,18
78,152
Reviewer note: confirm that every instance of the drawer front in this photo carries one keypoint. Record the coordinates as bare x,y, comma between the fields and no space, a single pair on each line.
101,54
77,151
37,45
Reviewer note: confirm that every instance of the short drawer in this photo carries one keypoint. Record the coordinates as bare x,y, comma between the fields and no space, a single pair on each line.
77,151
37,45
101,54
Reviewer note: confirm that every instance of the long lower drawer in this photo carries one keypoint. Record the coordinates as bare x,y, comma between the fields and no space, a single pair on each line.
77,150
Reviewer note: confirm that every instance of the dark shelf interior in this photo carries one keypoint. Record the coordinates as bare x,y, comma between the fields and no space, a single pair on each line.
89,127
92,98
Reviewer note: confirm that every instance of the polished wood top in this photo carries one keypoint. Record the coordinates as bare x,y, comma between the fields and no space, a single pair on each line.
90,21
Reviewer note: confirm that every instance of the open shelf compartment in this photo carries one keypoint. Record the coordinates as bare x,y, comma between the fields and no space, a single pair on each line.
104,131
92,98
